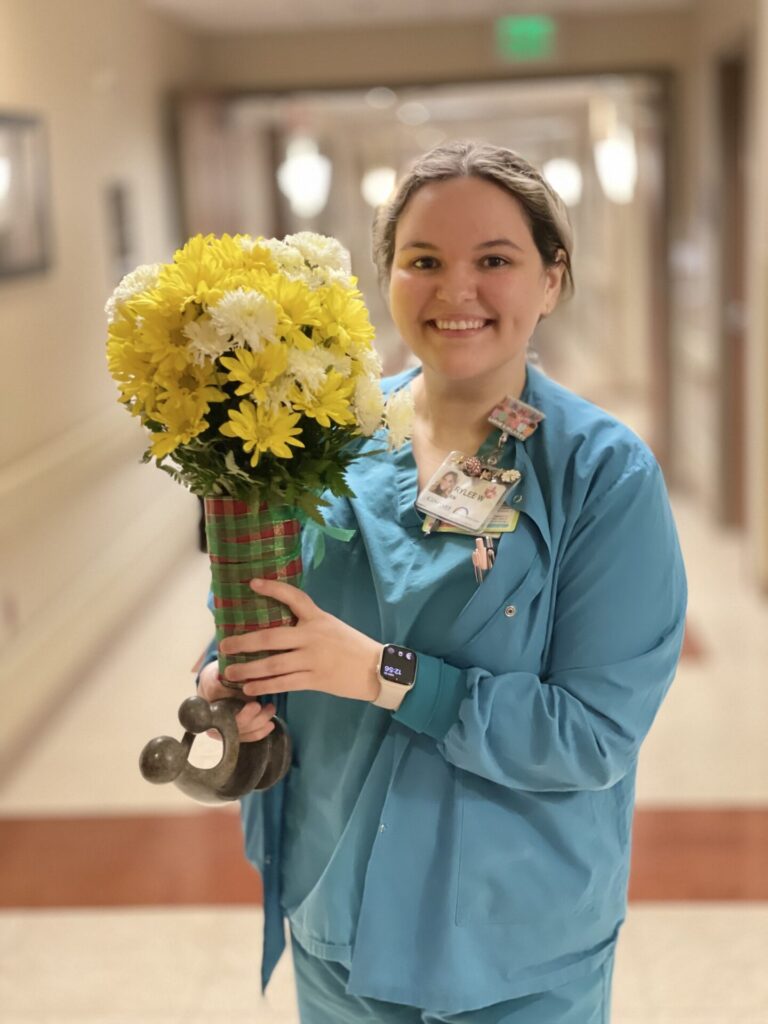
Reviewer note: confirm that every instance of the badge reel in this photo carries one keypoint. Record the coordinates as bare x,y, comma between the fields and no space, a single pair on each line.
516,418
467,495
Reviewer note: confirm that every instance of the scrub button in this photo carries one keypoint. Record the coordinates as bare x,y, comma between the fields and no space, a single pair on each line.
510,611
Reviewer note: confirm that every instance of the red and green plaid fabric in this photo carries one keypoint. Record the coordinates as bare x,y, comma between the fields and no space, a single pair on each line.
247,541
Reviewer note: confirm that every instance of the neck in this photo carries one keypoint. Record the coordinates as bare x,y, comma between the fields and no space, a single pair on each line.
454,414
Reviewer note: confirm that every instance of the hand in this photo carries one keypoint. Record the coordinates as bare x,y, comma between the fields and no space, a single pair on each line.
254,721
319,653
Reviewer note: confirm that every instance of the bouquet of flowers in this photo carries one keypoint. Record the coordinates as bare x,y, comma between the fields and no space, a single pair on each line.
251,364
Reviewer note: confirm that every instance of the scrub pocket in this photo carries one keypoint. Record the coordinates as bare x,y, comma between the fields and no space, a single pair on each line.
550,863
485,624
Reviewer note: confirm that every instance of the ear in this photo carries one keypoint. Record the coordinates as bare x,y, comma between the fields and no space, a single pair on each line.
553,282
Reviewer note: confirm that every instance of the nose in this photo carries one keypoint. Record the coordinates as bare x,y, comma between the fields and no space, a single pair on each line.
457,284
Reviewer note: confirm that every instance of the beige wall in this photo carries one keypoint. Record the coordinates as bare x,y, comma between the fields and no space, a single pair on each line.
85,532
757,298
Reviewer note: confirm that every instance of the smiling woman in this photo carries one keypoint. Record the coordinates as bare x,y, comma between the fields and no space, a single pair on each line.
456,848
465,299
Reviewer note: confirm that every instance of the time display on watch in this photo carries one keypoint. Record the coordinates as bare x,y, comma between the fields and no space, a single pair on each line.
398,665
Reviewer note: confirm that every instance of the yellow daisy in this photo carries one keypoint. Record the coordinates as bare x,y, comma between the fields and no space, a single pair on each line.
331,401
264,430
182,421
256,371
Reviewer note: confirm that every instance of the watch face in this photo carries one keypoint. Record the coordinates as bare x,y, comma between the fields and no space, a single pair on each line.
398,665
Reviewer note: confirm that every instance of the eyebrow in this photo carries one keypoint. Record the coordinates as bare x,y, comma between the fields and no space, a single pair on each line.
494,243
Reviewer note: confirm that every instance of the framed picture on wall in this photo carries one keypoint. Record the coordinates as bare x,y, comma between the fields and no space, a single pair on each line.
120,229
24,202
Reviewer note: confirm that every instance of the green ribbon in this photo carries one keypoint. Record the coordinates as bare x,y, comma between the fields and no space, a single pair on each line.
320,533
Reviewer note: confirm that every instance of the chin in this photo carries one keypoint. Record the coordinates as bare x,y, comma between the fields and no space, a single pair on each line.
466,369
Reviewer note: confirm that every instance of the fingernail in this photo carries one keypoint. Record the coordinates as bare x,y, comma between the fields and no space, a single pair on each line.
256,584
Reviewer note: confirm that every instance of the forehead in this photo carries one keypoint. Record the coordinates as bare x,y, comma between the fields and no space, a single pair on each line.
470,209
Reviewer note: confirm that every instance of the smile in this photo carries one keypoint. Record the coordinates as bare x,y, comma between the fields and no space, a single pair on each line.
459,325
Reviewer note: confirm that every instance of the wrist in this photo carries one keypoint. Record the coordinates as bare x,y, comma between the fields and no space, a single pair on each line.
397,675
372,679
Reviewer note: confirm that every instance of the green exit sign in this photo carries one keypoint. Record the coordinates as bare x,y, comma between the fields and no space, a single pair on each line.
521,37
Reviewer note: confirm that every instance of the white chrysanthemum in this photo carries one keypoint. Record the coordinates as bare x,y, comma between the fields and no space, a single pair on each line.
332,276
287,257
368,404
398,414
279,393
205,340
308,368
370,360
339,362
138,280
246,317
314,259
321,251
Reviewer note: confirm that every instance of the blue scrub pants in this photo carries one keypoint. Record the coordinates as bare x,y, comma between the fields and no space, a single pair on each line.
323,999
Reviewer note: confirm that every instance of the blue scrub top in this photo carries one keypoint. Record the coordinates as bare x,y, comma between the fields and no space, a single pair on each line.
473,846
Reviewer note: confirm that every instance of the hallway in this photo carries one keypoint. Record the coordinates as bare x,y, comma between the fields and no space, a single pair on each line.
86,927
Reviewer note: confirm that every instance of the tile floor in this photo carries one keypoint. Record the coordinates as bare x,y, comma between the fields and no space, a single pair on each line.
678,963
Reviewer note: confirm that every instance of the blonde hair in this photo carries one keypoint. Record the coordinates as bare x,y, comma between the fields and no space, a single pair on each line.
546,212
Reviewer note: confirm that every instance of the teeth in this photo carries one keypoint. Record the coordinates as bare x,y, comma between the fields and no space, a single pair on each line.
459,325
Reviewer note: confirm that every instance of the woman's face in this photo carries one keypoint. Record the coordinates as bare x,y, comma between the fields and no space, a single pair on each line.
468,284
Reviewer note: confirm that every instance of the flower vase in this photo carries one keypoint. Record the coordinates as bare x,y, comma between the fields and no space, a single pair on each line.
245,540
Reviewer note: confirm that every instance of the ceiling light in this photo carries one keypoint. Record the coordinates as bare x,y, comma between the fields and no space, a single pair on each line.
412,113
380,98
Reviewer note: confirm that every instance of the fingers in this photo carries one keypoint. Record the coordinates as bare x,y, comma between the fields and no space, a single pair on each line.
209,686
272,667
254,721
277,638
300,604
281,684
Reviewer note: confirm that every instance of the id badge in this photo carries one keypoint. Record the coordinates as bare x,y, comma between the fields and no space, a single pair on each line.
455,497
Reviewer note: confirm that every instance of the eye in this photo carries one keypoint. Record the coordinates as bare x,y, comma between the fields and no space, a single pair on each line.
492,262
424,263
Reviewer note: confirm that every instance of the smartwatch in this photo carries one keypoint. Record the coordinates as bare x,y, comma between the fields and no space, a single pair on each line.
397,674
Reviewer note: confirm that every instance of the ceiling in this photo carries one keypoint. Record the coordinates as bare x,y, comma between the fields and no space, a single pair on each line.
251,15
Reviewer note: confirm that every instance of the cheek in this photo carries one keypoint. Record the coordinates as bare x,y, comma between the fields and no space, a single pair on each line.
521,301
406,297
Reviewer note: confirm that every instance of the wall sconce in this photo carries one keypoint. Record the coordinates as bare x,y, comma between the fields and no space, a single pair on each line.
304,177
377,185
616,163
564,175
